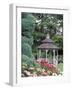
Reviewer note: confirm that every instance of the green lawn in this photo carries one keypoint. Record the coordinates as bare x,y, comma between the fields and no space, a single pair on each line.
60,66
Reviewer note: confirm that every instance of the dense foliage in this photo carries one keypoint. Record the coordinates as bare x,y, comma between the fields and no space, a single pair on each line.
48,23
58,40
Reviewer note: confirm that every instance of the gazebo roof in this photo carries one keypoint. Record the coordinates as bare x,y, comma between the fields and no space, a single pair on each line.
48,44
47,41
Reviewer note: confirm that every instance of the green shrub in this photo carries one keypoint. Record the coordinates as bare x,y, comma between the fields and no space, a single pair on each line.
28,23
27,40
26,50
58,40
28,61
27,34
25,58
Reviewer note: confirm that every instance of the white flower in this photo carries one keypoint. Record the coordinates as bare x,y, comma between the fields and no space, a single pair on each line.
54,74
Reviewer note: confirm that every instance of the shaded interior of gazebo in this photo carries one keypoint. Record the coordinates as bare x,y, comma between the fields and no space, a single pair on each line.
47,46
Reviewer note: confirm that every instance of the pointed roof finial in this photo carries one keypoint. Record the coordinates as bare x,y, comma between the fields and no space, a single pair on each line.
48,36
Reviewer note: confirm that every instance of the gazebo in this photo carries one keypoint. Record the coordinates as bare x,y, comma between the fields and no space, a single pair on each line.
48,44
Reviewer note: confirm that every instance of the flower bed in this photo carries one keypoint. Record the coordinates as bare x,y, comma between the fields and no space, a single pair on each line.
42,69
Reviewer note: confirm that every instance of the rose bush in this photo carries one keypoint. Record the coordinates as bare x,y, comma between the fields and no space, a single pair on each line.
47,66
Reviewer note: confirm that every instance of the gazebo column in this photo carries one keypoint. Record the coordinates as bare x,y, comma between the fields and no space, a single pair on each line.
57,57
53,56
46,54
39,53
